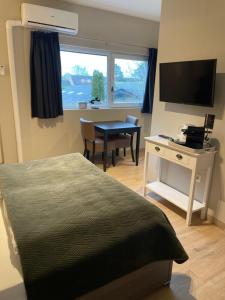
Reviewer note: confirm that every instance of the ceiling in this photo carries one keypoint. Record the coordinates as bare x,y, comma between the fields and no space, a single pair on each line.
147,9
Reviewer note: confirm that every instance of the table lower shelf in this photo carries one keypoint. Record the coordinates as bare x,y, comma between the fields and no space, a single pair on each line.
172,195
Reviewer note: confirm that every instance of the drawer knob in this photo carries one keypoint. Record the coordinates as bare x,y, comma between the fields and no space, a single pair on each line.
179,156
157,148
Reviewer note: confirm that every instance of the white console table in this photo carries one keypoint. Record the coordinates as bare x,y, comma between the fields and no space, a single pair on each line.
196,162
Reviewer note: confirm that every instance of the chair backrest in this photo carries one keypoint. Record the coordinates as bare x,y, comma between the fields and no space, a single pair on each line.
132,119
87,129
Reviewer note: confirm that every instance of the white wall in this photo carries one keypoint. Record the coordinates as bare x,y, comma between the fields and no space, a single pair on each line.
191,30
54,137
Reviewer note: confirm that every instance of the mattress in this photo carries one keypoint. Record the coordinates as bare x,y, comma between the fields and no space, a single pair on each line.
11,281
77,229
12,241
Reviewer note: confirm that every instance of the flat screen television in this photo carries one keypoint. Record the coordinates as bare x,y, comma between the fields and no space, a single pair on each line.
188,82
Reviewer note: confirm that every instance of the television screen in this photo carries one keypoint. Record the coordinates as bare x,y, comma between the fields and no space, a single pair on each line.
188,82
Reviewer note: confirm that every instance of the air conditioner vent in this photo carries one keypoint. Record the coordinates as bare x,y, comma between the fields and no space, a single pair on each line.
46,18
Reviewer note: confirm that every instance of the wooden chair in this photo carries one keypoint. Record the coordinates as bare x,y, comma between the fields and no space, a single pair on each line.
93,143
133,120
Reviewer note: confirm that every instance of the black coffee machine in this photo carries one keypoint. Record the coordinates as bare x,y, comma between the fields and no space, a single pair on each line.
196,136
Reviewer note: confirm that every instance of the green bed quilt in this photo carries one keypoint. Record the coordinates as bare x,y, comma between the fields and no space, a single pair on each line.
77,228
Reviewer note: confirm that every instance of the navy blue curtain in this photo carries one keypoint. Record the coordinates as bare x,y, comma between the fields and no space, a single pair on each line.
150,82
45,72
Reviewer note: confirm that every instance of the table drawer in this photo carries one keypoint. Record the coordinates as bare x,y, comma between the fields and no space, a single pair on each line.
180,158
156,149
171,155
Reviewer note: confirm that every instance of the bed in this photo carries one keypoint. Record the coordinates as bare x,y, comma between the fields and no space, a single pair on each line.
75,232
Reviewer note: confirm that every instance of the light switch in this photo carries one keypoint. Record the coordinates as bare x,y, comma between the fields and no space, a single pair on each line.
2,70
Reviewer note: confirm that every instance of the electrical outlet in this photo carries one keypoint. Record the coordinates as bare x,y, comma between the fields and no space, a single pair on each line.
198,178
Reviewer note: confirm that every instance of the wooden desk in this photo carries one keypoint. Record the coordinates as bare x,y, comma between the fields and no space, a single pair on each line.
196,162
117,127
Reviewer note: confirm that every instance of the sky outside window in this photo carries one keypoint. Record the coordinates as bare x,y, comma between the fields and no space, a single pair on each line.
88,61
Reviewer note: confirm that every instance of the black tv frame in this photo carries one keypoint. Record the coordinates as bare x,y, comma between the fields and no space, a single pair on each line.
188,103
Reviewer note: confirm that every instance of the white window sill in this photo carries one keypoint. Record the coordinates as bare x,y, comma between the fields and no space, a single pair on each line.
102,108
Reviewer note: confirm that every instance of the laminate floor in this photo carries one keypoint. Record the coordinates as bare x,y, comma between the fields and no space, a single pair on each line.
202,277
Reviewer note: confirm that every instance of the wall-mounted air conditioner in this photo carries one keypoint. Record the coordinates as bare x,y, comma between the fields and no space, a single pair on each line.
49,18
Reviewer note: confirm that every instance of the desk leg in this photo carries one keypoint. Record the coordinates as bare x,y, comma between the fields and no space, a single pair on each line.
105,151
206,192
191,197
146,170
159,169
138,146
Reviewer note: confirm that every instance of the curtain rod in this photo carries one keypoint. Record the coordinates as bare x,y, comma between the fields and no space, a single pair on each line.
110,43
98,40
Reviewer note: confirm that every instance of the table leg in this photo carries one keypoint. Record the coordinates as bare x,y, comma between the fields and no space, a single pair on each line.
137,145
206,192
191,197
93,152
105,151
159,169
146,169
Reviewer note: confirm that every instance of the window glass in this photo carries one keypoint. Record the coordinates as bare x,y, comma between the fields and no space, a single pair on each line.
84,78
129,80
87,74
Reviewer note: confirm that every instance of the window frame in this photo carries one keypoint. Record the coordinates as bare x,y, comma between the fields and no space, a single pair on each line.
114,56
111,56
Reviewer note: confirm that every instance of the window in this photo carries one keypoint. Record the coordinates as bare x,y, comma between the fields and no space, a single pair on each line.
101,78
129,80
84,77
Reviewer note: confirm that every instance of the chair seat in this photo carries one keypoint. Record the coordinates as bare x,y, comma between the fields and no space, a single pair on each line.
99,144
94,142
122,141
